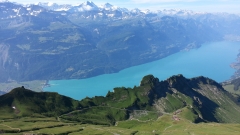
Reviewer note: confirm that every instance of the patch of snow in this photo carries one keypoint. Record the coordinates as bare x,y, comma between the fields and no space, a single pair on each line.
62,9
147,11
108,6
15,10
50,3
136,10
110,15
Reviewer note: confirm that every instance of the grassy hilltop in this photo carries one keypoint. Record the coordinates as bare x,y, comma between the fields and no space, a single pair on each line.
174,106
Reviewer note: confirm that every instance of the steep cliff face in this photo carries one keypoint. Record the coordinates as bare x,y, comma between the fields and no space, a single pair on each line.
202,95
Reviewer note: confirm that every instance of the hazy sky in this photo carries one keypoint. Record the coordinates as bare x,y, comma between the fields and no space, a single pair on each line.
230,6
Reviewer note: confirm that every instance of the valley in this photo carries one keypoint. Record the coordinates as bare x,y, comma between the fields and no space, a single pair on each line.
103,40
216,57
161,68
89,69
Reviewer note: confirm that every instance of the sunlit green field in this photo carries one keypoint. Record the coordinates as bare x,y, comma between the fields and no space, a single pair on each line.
164,125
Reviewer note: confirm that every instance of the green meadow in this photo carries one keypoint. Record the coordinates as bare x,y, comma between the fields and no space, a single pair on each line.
163,125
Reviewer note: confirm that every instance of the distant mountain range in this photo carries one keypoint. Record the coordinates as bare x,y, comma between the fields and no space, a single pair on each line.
50,41
111,11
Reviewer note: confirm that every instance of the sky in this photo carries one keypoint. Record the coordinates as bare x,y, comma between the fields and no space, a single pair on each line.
229,6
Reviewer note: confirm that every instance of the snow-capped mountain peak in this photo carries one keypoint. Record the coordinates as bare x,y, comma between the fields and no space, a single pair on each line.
46,4
51,4
89,5
86,6
147,11
54,6
89,10
136,10
108,6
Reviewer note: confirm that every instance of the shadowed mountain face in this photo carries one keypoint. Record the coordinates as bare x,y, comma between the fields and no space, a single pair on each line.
205,100
37,43
204,97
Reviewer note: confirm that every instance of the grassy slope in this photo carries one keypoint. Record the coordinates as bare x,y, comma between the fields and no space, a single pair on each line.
28,103
147,109
163,125
204,99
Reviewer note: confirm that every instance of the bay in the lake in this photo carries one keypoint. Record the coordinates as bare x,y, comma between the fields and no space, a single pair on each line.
211,60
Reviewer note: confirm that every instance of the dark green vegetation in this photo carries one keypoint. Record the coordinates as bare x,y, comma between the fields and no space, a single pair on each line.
155,106
205,99
21,102
40,44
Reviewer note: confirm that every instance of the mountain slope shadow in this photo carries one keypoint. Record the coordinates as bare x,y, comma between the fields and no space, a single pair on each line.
190,88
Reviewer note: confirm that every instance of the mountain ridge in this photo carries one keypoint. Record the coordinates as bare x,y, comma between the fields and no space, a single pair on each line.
89,6
205,99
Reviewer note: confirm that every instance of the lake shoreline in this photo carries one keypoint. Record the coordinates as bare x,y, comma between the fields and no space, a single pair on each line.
209,60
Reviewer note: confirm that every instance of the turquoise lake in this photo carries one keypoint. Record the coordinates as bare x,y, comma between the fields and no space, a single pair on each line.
212,60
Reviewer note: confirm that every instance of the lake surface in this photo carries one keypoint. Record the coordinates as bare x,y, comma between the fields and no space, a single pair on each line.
211,60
